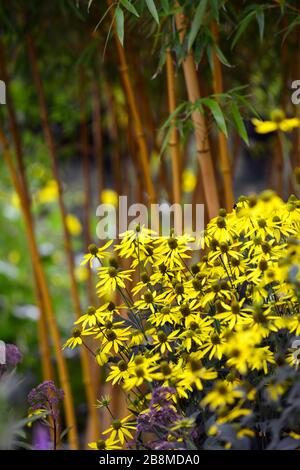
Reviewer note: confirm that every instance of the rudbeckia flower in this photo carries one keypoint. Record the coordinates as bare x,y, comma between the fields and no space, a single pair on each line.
105,444
278,122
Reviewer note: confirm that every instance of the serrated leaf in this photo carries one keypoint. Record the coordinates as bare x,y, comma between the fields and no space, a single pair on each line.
120,24
238,121
128,5
196,24
152,8
217,113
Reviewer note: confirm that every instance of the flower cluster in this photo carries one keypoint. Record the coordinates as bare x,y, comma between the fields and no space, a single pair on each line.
202,341
45,397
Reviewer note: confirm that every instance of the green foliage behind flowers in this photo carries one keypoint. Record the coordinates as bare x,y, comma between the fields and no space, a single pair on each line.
208,332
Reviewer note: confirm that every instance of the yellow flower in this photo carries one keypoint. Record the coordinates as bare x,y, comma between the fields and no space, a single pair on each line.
278,122
14,257
75,340
105,444
163,341
120,371
223,393
143,370
111,278
15,201
73,224
109,196
96,253
81,273
113,339
189,181
121,429
41,412
48,193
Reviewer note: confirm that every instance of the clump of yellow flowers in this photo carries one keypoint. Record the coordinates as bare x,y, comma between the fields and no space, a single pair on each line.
202,341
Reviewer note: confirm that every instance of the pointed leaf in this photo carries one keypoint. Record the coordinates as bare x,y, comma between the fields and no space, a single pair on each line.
120,24
242,27
200,11
165,5
128,5
238,121
217,113
260,17
152,8
221,57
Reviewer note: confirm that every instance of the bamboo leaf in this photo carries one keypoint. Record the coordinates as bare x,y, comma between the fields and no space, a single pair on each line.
165,5
214,5
128,5
242,27
260,17
217,113
120,24
200,11
238,121
152,8
222,57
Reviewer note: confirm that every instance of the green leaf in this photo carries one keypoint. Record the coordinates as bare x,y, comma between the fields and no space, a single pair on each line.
260,17
221,57
165,5
120,24
214,5
152,8
128,5
217,113
238,121
197,22
242,27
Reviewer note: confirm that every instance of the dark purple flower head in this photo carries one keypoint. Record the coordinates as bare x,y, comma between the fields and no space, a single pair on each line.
46,396
160,396
13,354
158,417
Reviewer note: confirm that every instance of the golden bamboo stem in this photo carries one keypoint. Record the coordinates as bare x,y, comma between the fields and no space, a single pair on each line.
90,392
47,367
173,141
62,367
113,131
132,104
84,145
222,141
97,135
204,155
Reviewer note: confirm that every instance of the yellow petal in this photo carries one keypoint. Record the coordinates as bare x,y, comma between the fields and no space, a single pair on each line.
289,124
264,127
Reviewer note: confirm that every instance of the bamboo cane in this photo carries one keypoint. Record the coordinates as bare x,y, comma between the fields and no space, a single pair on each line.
113,131
97,136
223,147
90,392
204,155
62,367
84,144
47,367
173,141
132,104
